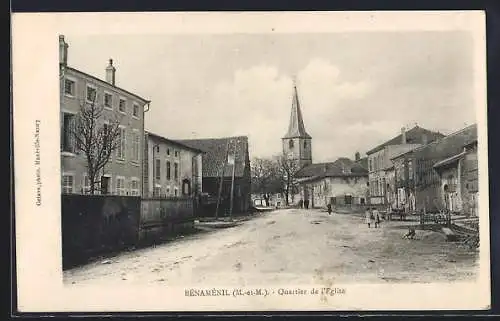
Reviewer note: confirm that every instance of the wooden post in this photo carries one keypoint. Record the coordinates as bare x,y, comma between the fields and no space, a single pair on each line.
221,180
232,188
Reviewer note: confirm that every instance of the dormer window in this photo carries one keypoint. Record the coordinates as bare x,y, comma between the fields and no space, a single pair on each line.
290,143
305,144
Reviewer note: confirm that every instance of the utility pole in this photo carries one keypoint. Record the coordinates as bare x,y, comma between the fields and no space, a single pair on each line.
232,181
221,180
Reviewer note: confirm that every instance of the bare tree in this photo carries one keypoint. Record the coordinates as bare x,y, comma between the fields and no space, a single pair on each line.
265,177
288,169
96,133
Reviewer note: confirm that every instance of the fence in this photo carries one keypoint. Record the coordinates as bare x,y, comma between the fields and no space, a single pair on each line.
95,224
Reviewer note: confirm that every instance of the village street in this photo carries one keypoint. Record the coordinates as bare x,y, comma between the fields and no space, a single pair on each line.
288,247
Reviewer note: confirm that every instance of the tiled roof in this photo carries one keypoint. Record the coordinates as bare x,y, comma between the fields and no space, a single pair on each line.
342,167
173,142
449,160
413,136
296,126
216,149
363,162
448,146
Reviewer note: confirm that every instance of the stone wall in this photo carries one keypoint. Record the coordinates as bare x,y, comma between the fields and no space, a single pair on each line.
97,224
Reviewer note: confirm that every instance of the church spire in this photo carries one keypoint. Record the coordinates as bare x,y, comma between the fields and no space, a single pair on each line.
296,127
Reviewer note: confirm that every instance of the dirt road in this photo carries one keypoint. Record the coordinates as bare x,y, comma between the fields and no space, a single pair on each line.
289,246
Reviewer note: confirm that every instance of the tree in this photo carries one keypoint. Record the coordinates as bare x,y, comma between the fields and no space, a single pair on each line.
96,133
288,169
265,177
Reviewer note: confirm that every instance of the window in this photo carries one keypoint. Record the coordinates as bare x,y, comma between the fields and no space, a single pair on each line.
108,100
176,171
305,144
370,165
135,111
120,186
176,154
122,105
120,150
157,169
348,199
85,184
91,94
157,191
134,186
410,169
290,143
105,184
67,132
168,190
186,187
168,151
67,183
168,170
69,87
176,191
135,146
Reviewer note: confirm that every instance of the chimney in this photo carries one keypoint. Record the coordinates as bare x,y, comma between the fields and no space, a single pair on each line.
357,156
63,51
110,73
424,139
403,135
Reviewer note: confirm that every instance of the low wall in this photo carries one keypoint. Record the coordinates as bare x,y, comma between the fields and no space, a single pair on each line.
96,224
162,218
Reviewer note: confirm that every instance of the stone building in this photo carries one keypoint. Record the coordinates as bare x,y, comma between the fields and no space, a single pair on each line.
342,183
459,181
418,183
379,159
171,169
123,174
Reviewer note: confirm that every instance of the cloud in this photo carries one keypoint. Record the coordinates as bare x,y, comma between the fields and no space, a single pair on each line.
256,102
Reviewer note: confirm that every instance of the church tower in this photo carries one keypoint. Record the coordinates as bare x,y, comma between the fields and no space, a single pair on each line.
297,142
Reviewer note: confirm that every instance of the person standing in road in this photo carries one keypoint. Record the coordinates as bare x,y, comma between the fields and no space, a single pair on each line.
368,215
376,215
329,209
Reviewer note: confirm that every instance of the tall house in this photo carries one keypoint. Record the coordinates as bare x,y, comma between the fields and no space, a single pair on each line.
171,169
297,142
380,166
122,175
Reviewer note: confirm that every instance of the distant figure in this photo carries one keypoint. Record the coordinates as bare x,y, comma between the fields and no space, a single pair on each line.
329,208
376,216
368,215
306,204
411,233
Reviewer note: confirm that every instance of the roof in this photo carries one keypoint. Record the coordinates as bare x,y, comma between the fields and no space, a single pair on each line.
215,151
363,162
342,167
413,136
449,160
296,128
173,142
108,84
447,146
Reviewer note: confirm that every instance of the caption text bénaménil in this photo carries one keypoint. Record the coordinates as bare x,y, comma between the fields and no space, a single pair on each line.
38,174
263,292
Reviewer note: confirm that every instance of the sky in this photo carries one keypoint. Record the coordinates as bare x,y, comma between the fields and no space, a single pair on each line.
356,89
